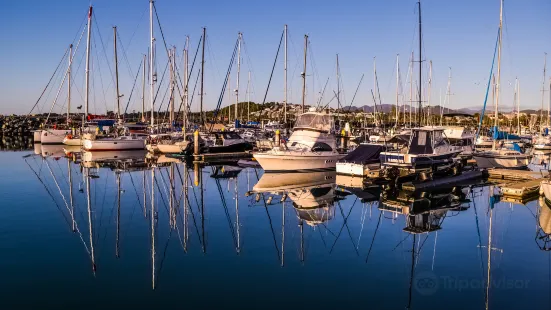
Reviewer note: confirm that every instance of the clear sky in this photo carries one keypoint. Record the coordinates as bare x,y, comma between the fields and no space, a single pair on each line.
456,34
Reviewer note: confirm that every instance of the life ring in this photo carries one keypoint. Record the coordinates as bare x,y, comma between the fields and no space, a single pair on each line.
69,136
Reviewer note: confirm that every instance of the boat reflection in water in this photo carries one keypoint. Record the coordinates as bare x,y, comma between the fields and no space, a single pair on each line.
543,234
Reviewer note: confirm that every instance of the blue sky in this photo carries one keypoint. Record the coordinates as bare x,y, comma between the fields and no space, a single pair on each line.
457,34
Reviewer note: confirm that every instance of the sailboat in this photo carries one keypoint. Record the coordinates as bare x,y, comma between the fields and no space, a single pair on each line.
500,158
123,138
543,142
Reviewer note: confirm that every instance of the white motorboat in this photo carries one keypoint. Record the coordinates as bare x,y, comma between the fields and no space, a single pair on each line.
312,146
226,142
428,149
502,159
462,137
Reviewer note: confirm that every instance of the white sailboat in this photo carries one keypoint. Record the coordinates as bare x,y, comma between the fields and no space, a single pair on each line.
500,158
123,139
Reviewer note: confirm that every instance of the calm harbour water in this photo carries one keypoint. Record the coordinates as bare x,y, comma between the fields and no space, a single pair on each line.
322,247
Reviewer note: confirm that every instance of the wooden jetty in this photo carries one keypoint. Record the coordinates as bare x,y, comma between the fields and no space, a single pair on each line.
522,189
516,175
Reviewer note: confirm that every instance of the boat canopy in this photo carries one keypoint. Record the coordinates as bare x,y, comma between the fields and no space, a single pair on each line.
364,154
316,121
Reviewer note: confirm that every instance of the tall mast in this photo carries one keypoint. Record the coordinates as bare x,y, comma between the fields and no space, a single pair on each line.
152,75
338,85
420,65
249,98
410,89
448,94
239,36
543,90
87,83
517,98
375,89
186,82
397,88
304,72
172,54
203,72
143,87
117,73
498,80
429,93
69,82
285,79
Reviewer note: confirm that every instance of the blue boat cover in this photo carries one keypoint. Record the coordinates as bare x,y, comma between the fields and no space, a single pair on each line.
502,135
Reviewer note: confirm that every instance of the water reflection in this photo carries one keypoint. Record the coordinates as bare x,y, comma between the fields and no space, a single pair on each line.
138,209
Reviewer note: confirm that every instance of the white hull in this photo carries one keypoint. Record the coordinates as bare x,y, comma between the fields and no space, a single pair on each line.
72,141
297,162
113,144
545,189
542,147
172,148
36,136
53,136
510,162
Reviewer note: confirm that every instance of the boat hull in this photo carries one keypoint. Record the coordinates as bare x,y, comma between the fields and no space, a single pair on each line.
542,146
234,148
506,162
36,136
113,145
286,162
53,136
172,148
72,141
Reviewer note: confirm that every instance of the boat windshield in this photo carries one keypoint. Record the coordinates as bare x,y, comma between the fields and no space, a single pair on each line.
317,121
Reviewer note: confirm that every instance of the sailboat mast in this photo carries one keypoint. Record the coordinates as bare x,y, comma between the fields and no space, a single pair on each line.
87,82
143,87
69,82
249,98
117,73
397,87
239,37
448,95
498,80
304,72
152,76
410,89
203,73
172,79
420,65
186,82
338,85
429,93
285,79
543,89
518,105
